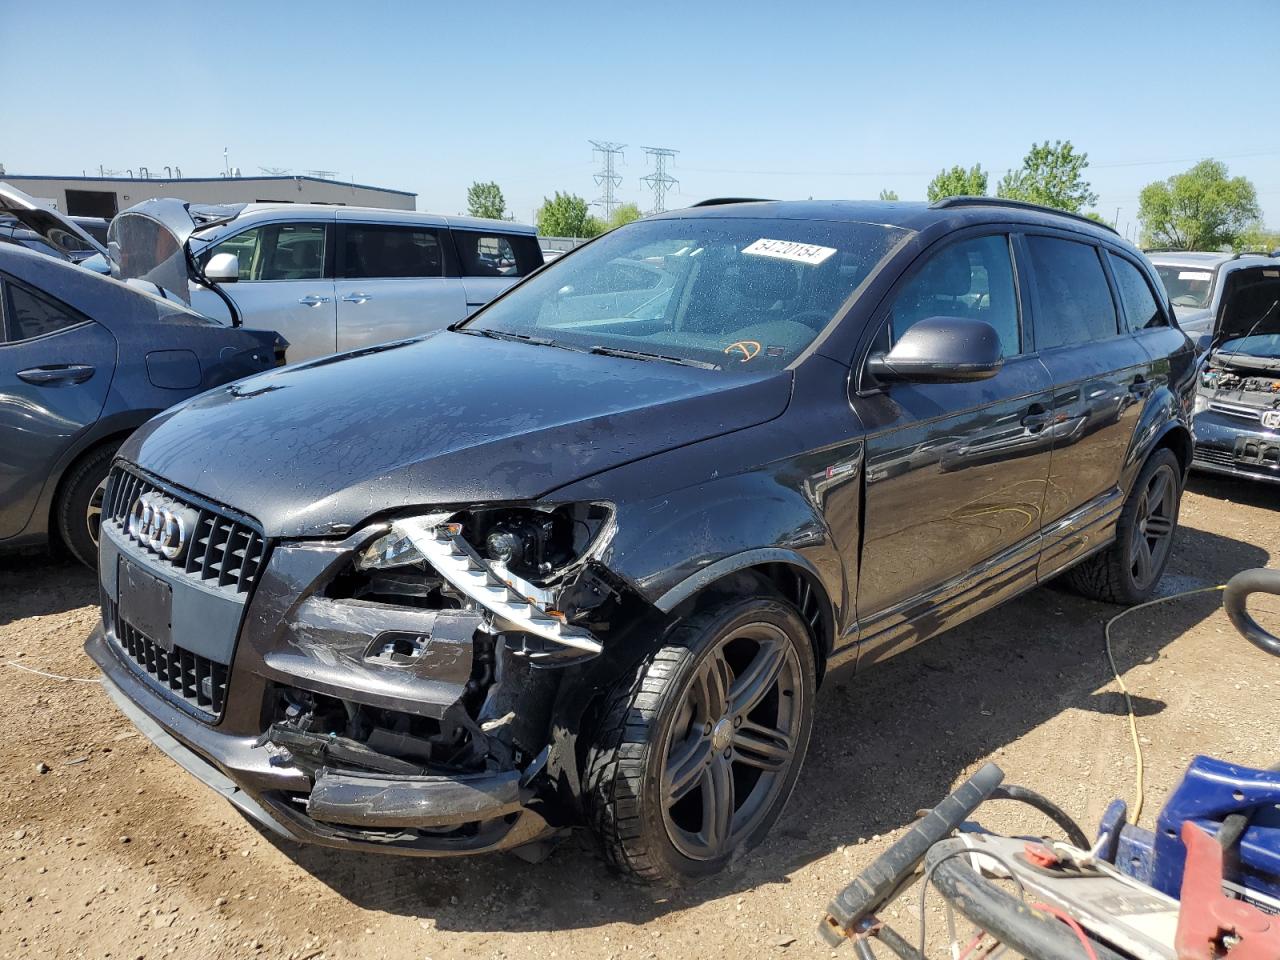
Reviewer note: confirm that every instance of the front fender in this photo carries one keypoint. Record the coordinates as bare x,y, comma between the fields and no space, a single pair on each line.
1166,411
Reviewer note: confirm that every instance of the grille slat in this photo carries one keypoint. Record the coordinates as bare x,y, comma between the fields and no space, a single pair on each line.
224,550
196,680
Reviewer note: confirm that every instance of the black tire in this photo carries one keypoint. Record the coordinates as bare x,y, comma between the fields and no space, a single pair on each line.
79,505
1118,574
655,729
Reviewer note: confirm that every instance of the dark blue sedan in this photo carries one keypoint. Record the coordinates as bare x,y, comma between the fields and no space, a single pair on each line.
84,360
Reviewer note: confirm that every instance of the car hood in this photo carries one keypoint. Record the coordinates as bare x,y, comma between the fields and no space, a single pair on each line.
314,449
59,232
1250,304
148,241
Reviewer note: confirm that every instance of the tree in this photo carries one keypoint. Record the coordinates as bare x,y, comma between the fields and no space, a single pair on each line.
889,195
565,215
1201,209
958,182
1051,175
1258,239
485,200
624,213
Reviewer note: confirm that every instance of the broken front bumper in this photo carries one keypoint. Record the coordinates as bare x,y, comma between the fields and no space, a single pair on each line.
415,815
1235,447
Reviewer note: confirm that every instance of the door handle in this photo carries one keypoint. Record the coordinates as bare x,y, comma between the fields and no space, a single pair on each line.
1037,419
356,298
62,373
312,300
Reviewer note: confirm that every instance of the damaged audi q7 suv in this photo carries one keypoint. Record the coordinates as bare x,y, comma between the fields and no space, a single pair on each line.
585,557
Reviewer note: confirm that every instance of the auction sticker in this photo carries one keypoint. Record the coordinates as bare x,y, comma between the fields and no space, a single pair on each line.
790,250
1194,275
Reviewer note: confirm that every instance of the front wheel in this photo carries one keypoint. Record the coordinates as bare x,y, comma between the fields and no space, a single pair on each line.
79,506
698,751
1128,571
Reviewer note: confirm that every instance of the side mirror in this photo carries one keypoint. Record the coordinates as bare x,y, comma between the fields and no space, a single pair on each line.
222,268
941,350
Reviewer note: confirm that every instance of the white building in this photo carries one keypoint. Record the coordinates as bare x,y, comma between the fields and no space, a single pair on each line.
107,196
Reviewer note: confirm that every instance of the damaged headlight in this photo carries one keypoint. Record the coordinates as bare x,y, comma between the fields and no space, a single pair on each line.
533,543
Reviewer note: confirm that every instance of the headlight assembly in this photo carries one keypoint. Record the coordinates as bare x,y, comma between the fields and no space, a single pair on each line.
498,556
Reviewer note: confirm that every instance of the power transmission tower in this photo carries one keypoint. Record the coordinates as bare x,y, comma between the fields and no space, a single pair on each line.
660,181
274,171
607,178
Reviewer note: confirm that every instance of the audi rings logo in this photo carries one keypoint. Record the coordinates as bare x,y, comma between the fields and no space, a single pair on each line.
1271,419
161,524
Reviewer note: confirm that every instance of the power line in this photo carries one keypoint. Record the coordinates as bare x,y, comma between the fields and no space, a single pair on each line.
660,181
606,176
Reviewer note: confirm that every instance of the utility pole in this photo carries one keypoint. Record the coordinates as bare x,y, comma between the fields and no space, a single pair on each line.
606,177
660,181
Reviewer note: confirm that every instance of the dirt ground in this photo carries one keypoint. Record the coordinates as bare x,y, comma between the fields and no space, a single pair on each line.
114,851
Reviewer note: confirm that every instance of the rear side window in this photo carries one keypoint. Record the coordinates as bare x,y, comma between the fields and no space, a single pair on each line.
1140,307
277,251
973,278
497,254
380,251
1073,299
28,314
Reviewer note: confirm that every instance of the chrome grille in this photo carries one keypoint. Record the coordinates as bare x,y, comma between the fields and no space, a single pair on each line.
197,681
225,550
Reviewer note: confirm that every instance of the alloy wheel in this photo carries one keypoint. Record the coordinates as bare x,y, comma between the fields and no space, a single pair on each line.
1152,534
733,742
93,513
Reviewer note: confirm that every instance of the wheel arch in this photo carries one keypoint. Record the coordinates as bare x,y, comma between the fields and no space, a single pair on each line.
789,573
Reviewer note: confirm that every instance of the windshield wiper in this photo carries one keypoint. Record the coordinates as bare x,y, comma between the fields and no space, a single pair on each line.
641,355
504,335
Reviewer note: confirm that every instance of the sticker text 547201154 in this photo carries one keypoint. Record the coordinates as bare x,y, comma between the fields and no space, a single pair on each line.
809,253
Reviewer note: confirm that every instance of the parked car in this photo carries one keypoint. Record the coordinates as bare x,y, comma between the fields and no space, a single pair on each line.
585,559
84,360
1197,281
1237,405
13,230
327,277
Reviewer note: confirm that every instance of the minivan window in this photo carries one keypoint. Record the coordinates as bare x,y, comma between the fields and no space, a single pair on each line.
732,293
29,314
1073,299
974,279
1140,307
1188,287
276,251
380,251
497,255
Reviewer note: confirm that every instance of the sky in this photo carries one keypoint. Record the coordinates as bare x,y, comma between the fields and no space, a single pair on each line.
817,99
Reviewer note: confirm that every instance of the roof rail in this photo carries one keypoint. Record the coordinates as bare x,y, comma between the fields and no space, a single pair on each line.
968,201
1256,253
720,201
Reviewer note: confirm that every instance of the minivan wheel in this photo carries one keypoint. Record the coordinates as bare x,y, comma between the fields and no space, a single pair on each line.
79,506
1130,569
698,750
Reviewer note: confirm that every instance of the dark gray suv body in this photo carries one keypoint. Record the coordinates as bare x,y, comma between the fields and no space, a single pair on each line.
585,557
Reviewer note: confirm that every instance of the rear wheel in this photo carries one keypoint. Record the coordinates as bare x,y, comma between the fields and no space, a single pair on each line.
1130,569
698,751
79,506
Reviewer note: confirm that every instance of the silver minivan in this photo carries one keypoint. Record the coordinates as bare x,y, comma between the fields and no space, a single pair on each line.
327,277
333,278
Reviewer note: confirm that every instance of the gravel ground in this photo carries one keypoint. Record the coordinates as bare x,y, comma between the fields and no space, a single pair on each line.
110,850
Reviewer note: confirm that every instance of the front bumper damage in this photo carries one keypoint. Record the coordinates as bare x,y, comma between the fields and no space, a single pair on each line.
365,725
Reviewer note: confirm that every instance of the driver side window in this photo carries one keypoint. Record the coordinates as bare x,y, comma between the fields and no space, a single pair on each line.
973,279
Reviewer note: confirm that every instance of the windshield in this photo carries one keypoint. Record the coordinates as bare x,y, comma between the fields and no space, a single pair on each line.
710,292
1263,345
1187,287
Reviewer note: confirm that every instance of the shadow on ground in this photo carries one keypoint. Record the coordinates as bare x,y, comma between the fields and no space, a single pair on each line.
1264,495
886,744
37,585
